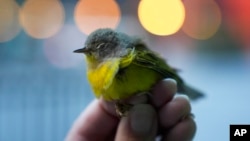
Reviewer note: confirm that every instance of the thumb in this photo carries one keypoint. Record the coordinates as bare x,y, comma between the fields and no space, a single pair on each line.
139,125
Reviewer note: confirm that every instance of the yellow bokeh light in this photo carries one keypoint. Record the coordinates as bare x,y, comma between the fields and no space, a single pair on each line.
42,18
9,24
93,14
161,17
203,18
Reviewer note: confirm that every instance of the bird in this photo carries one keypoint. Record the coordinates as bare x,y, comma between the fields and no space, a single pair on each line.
120,66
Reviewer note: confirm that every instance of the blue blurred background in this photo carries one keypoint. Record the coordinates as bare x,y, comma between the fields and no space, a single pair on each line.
43,87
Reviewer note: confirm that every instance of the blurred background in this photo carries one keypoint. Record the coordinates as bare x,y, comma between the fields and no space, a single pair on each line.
43,87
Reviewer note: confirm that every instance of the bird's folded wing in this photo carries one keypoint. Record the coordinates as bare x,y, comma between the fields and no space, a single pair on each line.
149,59
127,59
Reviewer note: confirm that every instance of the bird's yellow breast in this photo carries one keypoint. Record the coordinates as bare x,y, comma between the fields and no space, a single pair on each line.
113,83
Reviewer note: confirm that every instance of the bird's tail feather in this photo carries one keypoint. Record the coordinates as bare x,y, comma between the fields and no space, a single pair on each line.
192,93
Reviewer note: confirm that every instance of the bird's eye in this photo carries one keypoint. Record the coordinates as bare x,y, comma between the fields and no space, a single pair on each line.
101,45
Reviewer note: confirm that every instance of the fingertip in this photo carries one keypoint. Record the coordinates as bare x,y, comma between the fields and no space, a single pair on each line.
183,131
163,92
108,106
170,80
139,124
182,96
142,118
174,111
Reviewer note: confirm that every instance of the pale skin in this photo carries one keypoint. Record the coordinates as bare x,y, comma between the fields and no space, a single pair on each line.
167,115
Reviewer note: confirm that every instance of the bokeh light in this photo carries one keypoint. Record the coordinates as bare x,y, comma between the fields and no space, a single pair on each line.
161,17
59,48
42,18
203,18
238,20
9,25
93,14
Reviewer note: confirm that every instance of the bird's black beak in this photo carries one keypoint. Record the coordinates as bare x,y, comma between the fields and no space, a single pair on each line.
82,50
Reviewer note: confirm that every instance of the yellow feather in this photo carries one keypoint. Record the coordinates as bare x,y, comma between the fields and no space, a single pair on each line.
102,76
119,78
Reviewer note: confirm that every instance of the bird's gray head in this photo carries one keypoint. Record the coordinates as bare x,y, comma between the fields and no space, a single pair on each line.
104,43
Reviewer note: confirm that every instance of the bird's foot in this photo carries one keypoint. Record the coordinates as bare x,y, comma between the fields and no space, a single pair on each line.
123,106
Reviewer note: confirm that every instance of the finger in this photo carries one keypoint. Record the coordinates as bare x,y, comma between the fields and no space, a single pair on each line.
140,124
174,111
183,131
94,124
109,107
163,92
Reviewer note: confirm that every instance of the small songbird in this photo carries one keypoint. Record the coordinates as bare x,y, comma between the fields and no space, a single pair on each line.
120,66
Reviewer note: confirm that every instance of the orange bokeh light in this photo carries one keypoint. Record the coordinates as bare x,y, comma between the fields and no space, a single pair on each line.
93,14
9,25
203,18
42,18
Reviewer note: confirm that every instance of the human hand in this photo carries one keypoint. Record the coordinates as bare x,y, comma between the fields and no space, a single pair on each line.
167,116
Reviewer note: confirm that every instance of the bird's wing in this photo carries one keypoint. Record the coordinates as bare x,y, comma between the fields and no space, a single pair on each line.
127,59
149,59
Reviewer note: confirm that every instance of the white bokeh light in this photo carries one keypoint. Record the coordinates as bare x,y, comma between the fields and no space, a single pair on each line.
59,49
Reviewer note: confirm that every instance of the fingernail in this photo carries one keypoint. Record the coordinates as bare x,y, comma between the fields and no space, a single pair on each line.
142,119
183,96
171,84
170,80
